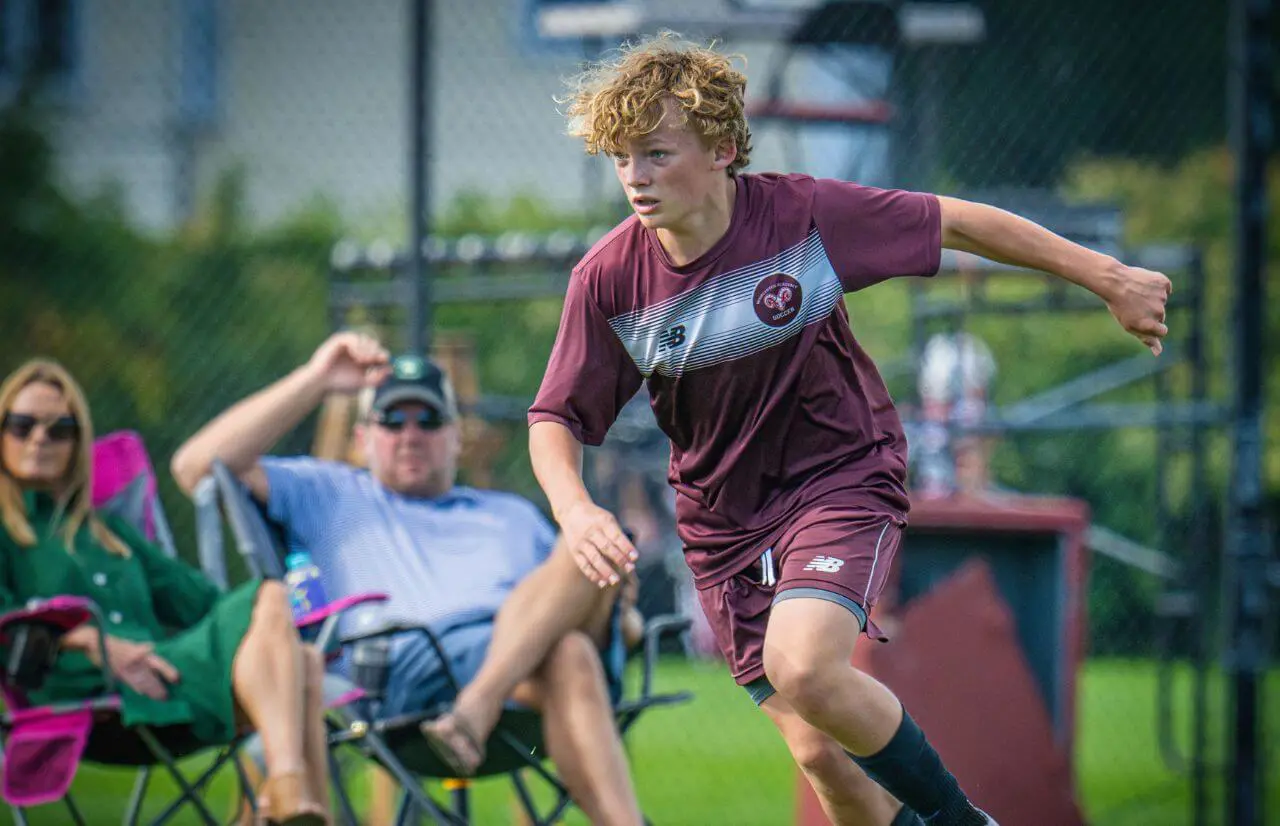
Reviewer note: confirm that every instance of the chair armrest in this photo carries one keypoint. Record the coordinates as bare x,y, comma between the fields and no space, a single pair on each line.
392,629
33,636
209,539
326,619
654,630
387,630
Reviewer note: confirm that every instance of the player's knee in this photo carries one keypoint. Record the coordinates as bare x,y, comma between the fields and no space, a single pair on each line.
819,756
807,683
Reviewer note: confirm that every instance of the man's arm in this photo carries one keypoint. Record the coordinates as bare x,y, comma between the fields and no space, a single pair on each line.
596,540
1135,296
247,430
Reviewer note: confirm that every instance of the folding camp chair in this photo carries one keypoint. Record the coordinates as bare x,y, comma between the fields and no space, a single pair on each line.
396,742
43,746
262,548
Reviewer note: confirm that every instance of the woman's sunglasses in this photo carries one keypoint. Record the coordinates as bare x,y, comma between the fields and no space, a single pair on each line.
395,419
21,426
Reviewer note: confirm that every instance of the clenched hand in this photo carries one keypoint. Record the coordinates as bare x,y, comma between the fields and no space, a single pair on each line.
1137,300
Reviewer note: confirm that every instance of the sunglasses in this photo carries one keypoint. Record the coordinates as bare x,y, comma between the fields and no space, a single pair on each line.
21,426
394,419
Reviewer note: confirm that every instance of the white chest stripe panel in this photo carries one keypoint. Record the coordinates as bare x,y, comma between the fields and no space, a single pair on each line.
717,321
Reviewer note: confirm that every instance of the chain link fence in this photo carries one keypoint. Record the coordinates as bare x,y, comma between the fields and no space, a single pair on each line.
194,193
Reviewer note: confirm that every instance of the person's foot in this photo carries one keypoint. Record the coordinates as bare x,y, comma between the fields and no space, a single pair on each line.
286,801
454,741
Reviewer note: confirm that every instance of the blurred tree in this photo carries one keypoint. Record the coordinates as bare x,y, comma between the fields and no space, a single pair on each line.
1143,78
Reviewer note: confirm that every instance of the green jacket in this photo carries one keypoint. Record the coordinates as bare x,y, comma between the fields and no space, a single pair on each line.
143,597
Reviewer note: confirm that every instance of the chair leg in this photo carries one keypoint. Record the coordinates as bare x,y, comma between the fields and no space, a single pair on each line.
74,809
460,792
137,795
344,800
247,794
526,800
405,810
190,795
409,784
227,755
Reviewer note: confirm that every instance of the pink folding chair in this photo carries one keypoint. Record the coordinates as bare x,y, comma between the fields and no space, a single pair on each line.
124,484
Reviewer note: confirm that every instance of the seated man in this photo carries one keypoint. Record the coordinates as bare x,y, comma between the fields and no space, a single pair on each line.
448,556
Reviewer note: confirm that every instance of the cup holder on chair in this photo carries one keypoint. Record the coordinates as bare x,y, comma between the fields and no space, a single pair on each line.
371,665
32,650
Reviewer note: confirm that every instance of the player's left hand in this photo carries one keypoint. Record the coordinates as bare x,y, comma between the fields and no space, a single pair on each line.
1137,299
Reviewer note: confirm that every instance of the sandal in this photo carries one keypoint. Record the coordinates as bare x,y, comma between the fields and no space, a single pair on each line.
283,803
454,742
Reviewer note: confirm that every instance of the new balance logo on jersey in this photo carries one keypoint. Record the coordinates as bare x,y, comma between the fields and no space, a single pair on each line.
671,338
825,564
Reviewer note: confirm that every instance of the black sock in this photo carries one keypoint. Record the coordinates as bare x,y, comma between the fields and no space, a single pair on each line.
906,817
911,771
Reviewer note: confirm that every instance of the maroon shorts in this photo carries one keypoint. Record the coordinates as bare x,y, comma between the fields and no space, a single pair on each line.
834,553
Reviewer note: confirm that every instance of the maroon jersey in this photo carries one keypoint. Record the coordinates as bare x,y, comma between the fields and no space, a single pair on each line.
752,369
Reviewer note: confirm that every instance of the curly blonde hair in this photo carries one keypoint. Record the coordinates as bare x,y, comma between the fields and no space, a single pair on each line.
621,98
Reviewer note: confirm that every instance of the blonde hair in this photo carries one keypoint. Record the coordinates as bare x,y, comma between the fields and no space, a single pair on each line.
621,98
75,505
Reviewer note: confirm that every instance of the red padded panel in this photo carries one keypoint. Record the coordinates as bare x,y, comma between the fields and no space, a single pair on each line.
955,663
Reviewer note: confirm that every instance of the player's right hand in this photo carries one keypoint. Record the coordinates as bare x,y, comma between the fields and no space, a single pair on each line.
599,547
347,362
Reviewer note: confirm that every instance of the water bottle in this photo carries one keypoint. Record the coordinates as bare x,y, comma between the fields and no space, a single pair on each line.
302,578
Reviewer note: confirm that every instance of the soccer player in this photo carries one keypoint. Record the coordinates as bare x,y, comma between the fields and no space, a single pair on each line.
724,294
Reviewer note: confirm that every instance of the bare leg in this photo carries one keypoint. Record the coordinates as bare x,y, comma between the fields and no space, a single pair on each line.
847,795
581,735
552,601
808,654
268,679
382,796
808,649
316,733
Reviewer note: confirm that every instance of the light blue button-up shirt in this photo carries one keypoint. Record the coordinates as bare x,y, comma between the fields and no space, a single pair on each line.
443,561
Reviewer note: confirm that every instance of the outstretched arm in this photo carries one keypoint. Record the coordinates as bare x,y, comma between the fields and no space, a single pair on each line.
1135,296
345,362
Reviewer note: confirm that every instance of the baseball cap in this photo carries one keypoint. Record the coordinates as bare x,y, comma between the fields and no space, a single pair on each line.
415,379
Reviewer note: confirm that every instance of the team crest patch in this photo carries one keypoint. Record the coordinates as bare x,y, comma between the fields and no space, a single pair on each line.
777,299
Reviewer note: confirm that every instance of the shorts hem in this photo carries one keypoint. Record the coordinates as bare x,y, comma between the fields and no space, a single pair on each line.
827,595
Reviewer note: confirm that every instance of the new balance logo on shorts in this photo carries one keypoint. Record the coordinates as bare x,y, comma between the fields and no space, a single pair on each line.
825,564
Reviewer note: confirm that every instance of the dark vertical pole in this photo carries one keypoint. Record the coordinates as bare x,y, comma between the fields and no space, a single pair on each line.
1246,542
1201,496
418,293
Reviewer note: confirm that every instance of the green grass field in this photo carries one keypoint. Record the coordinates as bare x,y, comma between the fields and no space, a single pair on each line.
718,761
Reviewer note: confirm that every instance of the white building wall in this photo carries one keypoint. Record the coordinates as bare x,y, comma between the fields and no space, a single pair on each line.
313,102
115,125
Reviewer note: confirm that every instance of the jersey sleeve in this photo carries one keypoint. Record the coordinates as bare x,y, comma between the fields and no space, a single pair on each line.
590,376
872,235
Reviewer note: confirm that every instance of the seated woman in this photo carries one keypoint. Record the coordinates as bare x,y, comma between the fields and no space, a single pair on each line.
233,660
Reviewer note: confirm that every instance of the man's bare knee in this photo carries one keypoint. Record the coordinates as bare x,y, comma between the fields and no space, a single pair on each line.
574,658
